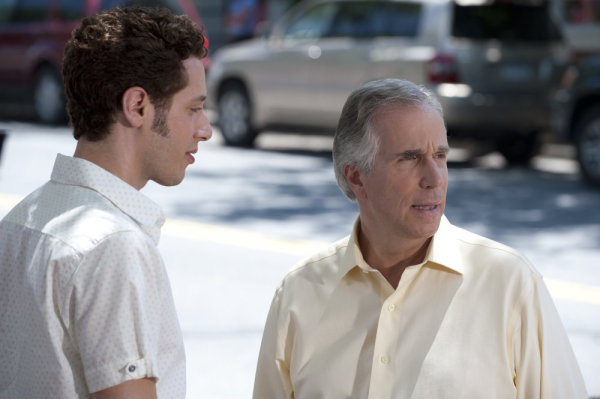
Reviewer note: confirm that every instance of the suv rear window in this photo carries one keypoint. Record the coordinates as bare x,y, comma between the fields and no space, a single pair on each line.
506,21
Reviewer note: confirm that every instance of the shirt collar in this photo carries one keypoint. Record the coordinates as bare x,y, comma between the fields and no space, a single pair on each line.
442,251
80,172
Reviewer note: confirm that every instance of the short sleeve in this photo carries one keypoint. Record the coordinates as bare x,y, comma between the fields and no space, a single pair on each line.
113,310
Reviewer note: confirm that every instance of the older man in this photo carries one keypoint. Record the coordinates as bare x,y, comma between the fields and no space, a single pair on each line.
410,306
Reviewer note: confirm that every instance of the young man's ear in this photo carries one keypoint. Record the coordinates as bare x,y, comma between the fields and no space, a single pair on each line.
135,103
355,178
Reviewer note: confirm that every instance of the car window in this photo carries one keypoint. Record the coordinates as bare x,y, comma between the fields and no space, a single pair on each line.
7,9
171,5
372,19
71,10
24,10
510,22
312,24
399,19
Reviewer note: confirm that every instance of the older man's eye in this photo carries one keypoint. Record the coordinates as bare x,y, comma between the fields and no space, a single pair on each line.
410,156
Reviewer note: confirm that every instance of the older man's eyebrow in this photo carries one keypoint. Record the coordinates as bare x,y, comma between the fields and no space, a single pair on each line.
417,152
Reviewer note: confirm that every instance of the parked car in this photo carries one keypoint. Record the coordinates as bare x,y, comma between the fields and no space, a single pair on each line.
33,34
492,65
576,116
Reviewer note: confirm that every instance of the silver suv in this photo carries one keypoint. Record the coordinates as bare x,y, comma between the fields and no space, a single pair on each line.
492,65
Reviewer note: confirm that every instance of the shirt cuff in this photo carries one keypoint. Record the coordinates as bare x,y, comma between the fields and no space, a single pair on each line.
118,372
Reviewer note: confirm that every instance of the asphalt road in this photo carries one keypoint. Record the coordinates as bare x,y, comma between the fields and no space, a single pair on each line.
242,218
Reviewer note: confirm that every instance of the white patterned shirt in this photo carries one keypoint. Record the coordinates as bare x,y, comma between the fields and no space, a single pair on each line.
473,321
85,300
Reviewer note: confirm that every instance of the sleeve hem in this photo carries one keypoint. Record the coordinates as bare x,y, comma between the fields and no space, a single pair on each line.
117,372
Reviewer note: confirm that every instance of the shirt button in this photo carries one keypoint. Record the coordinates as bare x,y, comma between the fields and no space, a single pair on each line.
391,307
131,368
384,359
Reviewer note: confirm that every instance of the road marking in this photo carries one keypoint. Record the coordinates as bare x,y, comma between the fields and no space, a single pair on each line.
240,238
559,289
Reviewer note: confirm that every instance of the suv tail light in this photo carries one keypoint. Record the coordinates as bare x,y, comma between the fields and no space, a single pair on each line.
442,69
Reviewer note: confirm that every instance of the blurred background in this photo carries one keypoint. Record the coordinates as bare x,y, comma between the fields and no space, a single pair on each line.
520,84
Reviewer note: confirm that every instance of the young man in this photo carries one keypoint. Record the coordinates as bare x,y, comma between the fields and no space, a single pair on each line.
410,306
85,301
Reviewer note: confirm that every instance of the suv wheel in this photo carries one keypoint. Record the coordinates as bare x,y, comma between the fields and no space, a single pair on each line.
587,142
518,150
235,114
49,103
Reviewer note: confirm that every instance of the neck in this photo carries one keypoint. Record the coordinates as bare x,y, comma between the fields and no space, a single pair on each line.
391,257
116,154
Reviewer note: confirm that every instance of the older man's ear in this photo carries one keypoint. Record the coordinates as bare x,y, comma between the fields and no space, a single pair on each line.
355,178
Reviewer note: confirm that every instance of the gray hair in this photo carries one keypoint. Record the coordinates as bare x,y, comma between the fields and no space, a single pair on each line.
354,142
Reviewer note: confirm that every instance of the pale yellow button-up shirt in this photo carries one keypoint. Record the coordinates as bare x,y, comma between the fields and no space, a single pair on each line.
475,320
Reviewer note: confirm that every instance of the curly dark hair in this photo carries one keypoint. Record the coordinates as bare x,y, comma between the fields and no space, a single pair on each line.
122,48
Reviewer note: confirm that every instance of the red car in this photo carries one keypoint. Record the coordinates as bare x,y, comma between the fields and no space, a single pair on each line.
33,34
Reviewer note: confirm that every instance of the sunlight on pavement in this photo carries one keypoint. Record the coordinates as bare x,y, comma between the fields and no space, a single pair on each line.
559,289
240,238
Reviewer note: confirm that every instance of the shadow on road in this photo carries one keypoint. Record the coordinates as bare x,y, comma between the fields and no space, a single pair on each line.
522,201
299,185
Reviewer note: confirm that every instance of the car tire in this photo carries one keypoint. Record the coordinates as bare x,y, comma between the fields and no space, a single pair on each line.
48,97
587,143
235,116
518,150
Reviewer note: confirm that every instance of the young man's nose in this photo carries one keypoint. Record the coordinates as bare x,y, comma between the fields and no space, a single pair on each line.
203,132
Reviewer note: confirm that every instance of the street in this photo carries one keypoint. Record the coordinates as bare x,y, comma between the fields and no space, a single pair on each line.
242,218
